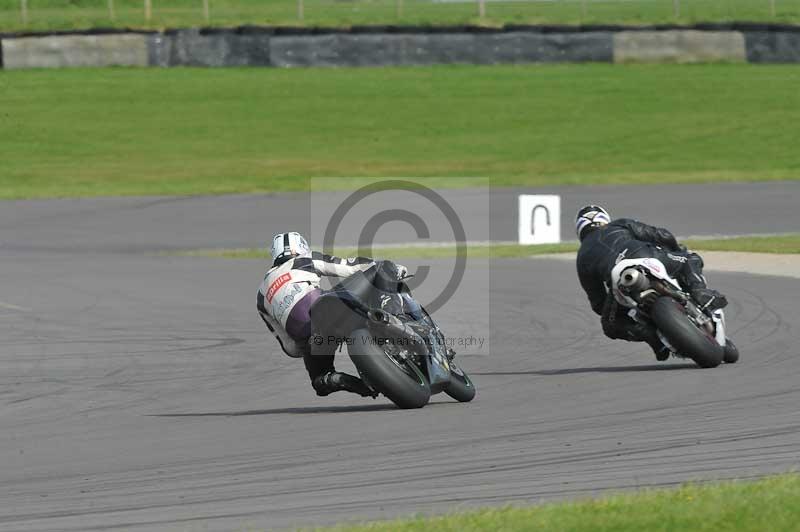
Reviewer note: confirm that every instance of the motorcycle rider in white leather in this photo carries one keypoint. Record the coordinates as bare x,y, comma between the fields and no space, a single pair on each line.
290,288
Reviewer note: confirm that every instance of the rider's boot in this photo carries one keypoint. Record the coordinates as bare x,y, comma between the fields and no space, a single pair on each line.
649,335
324,378
706,298
662,352
335,381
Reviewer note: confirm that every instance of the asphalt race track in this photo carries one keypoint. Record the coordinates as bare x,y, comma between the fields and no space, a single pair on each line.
136,225
142,392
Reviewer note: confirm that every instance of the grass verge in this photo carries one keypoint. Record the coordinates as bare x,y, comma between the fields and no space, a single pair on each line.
754,506
80,14
112,132
784,244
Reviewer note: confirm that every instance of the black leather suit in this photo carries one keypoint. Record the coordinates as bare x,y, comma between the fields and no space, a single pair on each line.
629,239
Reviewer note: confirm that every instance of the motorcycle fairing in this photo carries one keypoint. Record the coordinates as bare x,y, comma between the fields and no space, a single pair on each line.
654,266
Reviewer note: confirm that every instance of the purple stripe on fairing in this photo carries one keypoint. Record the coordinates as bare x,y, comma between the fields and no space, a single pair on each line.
298,325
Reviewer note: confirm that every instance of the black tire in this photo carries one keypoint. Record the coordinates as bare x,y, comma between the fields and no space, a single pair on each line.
406,387
671,319
731,353
460,388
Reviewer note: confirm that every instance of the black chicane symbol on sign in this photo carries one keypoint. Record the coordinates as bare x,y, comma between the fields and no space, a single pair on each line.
533,217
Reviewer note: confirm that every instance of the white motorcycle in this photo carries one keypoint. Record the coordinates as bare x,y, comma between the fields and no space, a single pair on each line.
644,286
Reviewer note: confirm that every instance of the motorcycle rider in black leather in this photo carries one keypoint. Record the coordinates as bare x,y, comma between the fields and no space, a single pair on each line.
605,242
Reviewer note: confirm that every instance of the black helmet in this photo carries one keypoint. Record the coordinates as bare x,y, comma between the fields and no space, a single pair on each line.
590,217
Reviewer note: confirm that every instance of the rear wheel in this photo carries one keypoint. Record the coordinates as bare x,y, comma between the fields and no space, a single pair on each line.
401,381
460,388
731,355
673,322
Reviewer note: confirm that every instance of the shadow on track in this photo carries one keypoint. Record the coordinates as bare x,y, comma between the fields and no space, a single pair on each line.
599,369
277,411
298,410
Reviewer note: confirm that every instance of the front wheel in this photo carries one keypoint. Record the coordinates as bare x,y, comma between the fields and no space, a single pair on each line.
460,388
673,322
402,382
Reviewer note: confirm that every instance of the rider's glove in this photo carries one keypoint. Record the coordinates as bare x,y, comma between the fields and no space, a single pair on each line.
402,272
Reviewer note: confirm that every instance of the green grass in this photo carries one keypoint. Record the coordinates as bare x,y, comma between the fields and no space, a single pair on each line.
78,14
770,504
207,131
788,244
785,244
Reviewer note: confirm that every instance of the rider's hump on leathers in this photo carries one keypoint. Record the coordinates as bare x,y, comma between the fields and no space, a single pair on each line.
601,249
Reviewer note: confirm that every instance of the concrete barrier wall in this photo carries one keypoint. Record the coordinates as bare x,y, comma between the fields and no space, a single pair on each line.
57,51
773,47
679,46
303,47
218,49
430,49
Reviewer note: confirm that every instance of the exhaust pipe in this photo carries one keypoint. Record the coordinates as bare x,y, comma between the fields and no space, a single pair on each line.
633,280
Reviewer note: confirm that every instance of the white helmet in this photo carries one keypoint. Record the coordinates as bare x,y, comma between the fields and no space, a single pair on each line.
286,245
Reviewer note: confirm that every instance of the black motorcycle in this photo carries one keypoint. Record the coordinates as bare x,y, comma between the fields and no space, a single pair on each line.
397,348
